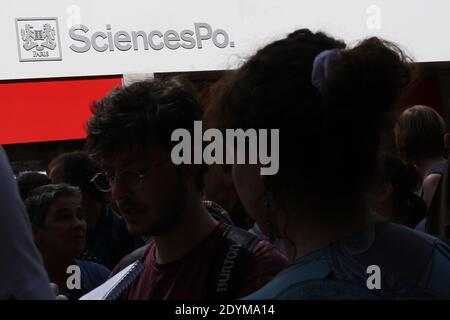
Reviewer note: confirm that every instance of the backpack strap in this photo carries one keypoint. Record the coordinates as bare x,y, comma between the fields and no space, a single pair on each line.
242,237
217,212
229,267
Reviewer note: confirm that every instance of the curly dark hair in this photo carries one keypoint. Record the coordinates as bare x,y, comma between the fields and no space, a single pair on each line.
140,114
329,137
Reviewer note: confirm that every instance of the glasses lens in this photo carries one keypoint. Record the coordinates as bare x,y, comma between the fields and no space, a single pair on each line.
101,182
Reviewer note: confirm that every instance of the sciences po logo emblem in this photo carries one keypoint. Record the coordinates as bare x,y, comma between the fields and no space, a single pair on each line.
38,39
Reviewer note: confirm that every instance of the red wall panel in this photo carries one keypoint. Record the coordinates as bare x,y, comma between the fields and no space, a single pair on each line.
49,110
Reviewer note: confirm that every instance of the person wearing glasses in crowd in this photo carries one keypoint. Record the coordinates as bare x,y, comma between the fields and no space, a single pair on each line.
191,254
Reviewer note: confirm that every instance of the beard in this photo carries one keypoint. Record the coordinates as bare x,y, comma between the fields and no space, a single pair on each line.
171,211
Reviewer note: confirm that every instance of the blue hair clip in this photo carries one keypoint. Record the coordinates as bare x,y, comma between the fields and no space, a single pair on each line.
321,67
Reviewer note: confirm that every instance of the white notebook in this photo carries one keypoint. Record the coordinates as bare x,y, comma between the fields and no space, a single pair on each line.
115,286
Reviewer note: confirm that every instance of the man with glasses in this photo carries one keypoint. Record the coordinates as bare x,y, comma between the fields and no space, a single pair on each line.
191,255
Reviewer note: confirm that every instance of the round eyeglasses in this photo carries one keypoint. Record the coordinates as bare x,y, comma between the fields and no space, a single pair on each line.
128,178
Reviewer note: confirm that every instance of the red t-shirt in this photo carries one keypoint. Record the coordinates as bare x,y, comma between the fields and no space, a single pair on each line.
186,278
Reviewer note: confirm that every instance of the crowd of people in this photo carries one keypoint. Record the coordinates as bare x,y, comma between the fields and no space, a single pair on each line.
341,201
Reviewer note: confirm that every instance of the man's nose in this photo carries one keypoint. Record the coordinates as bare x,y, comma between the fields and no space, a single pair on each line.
119,190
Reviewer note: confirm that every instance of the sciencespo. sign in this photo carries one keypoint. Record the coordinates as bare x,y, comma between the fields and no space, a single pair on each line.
38,39
109,40
47,38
